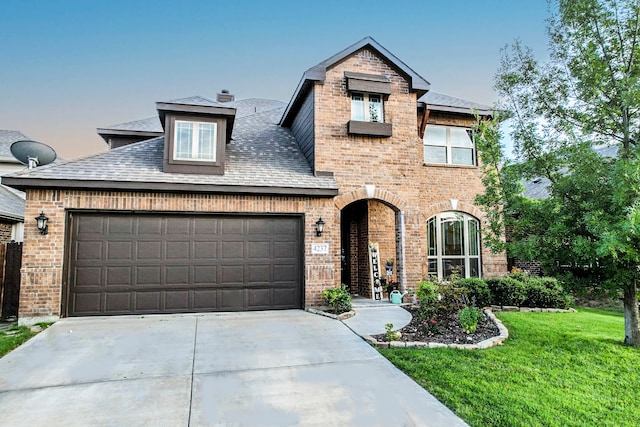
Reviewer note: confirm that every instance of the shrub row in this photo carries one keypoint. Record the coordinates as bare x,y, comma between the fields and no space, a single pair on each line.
517,289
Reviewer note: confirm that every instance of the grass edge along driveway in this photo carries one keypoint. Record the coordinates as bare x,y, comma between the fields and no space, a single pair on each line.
556,369
15,336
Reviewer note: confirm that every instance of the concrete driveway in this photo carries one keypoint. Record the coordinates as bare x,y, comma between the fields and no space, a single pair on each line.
278,368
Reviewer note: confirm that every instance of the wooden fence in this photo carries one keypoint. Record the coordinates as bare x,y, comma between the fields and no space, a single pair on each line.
10,263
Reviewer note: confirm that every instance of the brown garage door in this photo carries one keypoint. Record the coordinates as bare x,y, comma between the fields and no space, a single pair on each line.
148,263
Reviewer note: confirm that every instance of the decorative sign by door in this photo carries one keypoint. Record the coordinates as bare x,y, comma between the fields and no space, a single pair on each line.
374,268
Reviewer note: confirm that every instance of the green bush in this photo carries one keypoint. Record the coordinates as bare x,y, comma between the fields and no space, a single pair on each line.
507,291
338,299
546,292
427,292
469,317
477,290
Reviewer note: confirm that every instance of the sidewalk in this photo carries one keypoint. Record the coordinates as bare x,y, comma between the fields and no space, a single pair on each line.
372,316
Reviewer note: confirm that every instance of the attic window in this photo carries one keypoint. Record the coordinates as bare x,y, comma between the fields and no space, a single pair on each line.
367,107
368,93
195,141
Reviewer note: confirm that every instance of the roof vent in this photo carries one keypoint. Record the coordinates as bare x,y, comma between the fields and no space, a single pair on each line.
225,96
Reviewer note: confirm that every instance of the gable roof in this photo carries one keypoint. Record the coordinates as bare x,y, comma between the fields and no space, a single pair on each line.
318,73
440,102
8,137
263,158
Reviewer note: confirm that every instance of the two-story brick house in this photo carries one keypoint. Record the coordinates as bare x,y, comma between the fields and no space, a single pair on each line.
217,205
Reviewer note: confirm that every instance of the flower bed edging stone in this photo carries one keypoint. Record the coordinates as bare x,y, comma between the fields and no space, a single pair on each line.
321,312
490,342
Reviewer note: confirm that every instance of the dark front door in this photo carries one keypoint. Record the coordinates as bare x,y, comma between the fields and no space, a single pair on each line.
158,263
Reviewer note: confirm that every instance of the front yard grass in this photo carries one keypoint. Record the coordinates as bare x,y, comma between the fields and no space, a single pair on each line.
556,369
12,337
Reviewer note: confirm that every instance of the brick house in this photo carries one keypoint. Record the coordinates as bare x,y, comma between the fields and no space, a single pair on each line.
11,200
215,205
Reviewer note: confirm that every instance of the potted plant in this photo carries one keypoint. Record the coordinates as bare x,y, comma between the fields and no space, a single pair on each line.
389,267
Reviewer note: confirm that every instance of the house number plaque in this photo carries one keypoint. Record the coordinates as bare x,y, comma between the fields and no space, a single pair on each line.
319,249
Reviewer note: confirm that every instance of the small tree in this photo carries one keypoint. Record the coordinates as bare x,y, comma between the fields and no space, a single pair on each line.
586,95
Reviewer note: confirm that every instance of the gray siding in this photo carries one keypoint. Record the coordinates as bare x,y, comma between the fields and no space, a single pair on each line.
303,129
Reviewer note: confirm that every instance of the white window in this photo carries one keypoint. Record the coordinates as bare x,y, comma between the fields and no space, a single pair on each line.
453,242
366,107
195,141
448,145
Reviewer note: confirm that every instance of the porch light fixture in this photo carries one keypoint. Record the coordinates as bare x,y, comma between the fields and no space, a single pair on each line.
319,227
41,222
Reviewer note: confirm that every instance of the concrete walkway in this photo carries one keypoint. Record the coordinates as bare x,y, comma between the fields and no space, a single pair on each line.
278,368
372,316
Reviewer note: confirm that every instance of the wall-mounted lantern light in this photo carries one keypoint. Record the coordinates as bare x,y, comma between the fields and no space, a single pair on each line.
41,222
319,227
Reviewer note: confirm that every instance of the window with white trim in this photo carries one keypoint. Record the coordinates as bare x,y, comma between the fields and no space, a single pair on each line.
453,244
367,107
449,145
195,141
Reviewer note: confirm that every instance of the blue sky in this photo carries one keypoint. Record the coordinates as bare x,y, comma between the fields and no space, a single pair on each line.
67,67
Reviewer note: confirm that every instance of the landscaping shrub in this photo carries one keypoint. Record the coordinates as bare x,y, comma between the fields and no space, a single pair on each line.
338,299
427,292
476,289
507,291
546,292
469,317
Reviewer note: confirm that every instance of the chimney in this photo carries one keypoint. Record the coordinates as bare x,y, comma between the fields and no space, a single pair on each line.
225,96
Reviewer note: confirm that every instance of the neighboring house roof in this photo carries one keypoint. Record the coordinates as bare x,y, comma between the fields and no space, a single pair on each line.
538,187
263,158
8,137
440,102
11,204
318,73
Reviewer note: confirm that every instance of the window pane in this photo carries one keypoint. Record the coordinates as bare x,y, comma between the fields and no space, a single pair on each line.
453,238
452,266
183,140
357,107
460,137
375,108
431,237
435,154
462,156
473,237
435,135
433,267
474,267
207,141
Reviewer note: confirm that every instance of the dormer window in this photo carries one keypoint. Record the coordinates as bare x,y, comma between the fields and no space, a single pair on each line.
196,132
367,107
195,141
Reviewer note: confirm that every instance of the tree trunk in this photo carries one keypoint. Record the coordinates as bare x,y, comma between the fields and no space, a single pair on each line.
631,315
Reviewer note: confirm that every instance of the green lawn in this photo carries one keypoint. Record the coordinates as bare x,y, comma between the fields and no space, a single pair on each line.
556,369
10,340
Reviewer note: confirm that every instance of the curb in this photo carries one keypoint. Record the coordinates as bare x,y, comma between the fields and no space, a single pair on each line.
320,312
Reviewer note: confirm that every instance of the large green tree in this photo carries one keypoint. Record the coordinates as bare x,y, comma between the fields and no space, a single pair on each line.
585,96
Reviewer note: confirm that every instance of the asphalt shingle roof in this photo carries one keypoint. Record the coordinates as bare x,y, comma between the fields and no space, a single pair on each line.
11,203
262,154
244,107
8,137
450,102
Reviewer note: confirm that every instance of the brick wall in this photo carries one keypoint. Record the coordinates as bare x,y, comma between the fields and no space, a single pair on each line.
43,256
394,165
5,232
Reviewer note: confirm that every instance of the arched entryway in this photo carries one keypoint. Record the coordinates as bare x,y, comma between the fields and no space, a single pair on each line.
366,218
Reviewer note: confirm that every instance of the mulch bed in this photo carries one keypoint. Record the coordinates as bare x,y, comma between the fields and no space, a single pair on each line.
449,330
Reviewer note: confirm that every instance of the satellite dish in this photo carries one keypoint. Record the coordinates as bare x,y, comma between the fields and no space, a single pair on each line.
33,153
